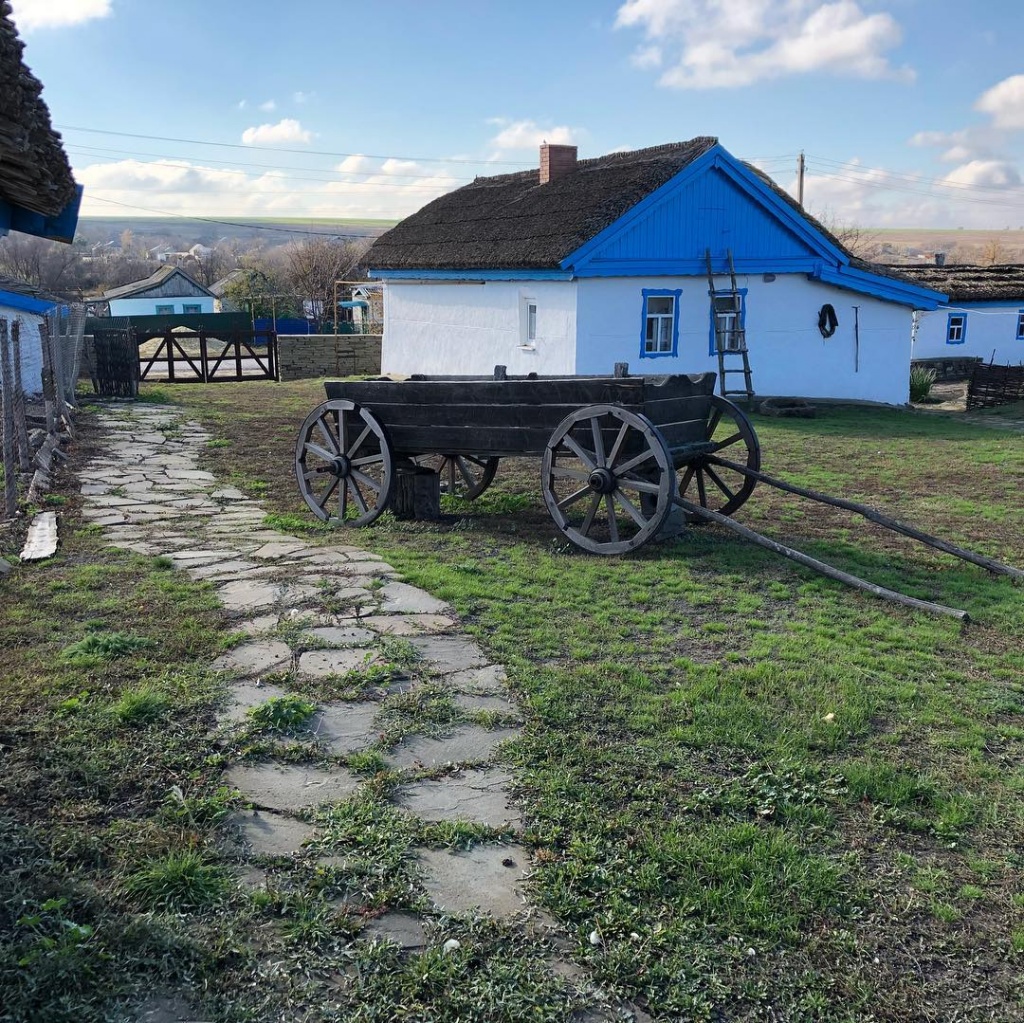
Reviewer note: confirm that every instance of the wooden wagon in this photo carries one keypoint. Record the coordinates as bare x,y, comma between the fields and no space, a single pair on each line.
615,451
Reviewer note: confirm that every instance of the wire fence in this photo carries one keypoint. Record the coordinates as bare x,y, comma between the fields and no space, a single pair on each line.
39,364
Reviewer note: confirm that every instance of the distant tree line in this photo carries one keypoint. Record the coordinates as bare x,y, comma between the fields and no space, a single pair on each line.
286,280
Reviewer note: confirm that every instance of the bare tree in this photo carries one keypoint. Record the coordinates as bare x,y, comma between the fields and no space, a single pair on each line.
860,241
51,266
315,264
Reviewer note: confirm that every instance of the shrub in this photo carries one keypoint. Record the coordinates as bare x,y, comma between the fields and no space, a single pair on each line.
921,380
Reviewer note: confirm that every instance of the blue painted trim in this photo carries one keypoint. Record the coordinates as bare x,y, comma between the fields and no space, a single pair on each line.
692,267
25,303
880,287
963,329
60,228
676,293
1020,324
742,292
471,275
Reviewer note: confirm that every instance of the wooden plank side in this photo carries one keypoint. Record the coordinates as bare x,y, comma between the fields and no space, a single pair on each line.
470,416
569,391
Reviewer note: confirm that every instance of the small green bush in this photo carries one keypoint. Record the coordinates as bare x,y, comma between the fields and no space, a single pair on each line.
141,706
178,881
921,380
282,713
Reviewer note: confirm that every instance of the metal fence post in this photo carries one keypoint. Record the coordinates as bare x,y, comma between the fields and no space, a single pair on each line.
7,401
20,425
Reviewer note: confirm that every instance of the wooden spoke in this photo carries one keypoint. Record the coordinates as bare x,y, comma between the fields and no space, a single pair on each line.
586,492
726,427
344,483
574,497
328,437
462,476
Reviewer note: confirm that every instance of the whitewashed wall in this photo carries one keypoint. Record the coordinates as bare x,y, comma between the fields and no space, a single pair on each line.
147,306
31,349
991,334
471,328
788,355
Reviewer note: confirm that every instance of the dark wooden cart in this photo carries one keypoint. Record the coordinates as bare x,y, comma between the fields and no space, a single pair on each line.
615,451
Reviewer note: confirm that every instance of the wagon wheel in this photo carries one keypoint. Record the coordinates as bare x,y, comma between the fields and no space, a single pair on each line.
703,480
607,479
343,464
465,476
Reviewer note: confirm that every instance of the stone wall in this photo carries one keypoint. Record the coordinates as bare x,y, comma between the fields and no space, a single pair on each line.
328,355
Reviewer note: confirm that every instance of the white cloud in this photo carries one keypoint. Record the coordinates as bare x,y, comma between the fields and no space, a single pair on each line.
286,130
1004,102
268,106
33,14
242,104
359,187
529,135
301,97
989,174
726,45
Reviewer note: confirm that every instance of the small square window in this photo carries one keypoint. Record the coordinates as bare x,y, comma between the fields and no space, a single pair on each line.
956,329
165,310
1020,325
191,308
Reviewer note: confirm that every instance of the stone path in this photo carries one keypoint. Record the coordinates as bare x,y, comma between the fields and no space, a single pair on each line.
319,619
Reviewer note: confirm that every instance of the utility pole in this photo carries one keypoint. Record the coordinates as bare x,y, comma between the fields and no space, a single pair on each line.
800,178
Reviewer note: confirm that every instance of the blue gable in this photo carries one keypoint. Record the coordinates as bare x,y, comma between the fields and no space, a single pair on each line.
60,228
717,203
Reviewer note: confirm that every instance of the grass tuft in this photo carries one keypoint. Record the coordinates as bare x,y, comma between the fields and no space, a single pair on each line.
179,882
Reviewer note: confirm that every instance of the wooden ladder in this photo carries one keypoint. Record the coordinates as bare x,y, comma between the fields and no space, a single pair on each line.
731,342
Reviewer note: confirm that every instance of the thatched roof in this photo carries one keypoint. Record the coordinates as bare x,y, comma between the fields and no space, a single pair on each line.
963,282
513,222
34,170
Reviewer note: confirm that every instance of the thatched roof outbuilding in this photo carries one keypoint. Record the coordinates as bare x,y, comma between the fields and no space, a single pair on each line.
963,282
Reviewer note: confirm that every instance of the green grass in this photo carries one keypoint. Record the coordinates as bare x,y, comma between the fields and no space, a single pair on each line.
178,882
768,797
282,713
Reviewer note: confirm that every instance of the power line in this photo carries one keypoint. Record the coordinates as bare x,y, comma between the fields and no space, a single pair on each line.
180,160
281,149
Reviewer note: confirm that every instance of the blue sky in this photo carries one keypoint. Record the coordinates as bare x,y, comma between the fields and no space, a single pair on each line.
910,112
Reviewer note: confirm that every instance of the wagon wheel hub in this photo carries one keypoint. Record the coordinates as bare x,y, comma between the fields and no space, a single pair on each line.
341,466
602,480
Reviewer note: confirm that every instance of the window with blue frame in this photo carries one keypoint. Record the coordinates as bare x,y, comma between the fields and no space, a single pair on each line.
165,310
1020,325
956,329
728,311
660,330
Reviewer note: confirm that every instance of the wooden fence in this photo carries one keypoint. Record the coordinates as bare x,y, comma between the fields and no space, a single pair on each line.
995,385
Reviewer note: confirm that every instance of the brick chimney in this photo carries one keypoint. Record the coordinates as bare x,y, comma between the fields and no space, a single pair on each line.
556,162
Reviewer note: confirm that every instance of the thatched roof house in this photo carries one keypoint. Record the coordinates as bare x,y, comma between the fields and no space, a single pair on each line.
38,194
964,282
580,264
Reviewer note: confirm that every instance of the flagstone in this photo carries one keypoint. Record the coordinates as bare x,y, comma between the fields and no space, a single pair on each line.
346,727
487,878
268,834
480,796
255,658
242,697
402,597
449,653
323,663
467,744
290,786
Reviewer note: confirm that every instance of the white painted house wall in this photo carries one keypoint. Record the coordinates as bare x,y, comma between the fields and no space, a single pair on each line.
147,306
31,347
991,334
471,328
788,355
588,325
